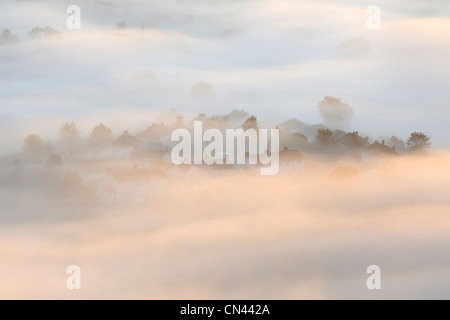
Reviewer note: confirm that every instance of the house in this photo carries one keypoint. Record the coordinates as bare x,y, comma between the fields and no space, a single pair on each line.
377,153
178,124
114,153
201,117
351,140
156,131
337,134
292,163
292,140
121,148
380,149
236,118
217,122
155,138
126,140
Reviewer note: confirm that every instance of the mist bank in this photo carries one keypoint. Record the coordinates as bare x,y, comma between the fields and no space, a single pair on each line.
236,236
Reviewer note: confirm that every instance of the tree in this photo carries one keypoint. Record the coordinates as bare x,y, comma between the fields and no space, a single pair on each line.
34,145
69,133
397,143
324,136
101,135
335,113
39,32
121,25
357,140
418,141
250,123
7,37
54,160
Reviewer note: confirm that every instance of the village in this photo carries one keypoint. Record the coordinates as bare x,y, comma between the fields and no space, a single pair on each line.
134,166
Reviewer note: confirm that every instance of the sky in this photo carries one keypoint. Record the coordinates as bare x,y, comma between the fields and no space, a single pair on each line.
275,59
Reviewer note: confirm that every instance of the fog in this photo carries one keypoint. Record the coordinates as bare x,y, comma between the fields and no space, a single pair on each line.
141,228
235,236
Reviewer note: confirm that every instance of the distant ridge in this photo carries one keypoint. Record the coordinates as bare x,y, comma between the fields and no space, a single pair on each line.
295,125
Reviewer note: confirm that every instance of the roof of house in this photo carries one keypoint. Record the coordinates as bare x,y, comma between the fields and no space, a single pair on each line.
154,131
381,148
338,133
352,140
126,140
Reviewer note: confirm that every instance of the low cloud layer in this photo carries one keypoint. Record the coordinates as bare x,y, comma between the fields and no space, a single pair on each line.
224,238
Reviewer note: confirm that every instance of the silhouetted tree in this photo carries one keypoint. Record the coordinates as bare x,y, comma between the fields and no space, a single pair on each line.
7,37
418,141
397,143
121,25
250,123
54,160
101,135
357,140
69,133
335,113
324,136
39,32
34,145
